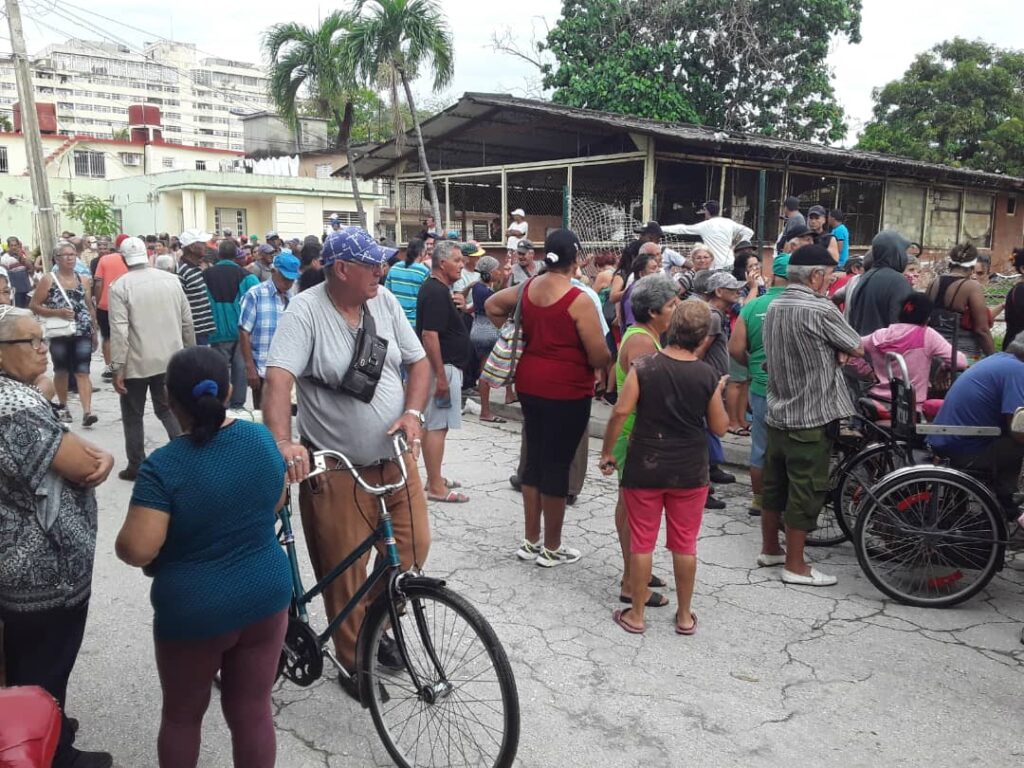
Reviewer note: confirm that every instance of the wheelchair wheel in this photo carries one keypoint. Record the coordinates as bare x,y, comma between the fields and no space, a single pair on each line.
929,536
829,531
863,470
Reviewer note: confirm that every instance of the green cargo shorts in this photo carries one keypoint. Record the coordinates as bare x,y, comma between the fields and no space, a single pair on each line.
796,466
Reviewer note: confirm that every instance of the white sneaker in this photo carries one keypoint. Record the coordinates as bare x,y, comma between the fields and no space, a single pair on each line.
528,551
768,561
815,579
561,556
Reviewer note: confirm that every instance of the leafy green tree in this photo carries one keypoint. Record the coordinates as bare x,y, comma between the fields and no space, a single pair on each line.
5,124
960,103
95,214
749,65
390,42
309,70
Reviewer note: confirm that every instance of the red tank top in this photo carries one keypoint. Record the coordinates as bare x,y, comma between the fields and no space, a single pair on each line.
554,364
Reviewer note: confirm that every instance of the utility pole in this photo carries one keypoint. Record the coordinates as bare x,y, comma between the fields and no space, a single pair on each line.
44,219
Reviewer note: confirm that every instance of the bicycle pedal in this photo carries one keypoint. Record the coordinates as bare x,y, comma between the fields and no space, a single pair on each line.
382,693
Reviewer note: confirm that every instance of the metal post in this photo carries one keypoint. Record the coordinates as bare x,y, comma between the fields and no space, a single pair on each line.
567,203
33,139
762,193
448,206
504,201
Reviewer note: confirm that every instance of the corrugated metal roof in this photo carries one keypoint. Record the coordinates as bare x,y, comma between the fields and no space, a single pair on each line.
474,107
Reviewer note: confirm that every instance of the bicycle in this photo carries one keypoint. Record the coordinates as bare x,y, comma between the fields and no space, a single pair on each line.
453,699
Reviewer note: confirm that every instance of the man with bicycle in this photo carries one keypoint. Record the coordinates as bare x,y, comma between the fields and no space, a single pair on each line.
345,406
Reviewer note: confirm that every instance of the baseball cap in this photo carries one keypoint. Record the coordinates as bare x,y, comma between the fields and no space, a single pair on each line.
271,233
524,245
264,249
519,212
354,244
134,251
472,249
780,266
561,247
650,228
816,210
193,236
723,280
800,232
120,239
287,265
711,206
744,245
811,256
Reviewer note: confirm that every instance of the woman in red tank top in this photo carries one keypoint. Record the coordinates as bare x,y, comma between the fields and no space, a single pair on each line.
555,384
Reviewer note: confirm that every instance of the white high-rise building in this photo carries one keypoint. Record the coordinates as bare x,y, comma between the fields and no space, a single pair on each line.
94,83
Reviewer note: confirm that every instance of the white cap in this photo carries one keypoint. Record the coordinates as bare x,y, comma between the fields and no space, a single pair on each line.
134,251
193,236
519,212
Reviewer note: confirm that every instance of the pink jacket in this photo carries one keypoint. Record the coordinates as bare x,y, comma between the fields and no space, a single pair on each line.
918,344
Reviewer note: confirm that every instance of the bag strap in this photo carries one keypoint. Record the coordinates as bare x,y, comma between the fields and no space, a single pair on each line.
517,320
366,325
56,280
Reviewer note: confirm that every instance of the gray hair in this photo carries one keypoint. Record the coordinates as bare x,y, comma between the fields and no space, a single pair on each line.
62,245
487,264
1016,347
444,250
650,294
801,274
9,319
653,250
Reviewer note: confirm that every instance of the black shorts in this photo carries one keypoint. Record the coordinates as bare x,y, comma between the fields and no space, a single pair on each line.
71,354
553,430
103,318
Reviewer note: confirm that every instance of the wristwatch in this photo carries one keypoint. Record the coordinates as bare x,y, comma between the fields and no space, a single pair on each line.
418,414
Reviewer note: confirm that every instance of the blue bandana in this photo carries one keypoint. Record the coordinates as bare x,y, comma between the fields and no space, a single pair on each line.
354,244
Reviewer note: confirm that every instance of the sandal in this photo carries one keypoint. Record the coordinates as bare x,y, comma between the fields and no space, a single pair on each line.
494,420
449,483
740,432
656,600
453,497
654,583
619,618
690,630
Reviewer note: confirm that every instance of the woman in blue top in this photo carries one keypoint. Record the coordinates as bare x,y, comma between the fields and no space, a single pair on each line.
201,523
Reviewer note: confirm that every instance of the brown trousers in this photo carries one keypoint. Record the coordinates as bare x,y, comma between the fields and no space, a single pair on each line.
577,470
330,505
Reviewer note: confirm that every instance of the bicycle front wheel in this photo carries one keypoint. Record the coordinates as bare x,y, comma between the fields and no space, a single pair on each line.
465,711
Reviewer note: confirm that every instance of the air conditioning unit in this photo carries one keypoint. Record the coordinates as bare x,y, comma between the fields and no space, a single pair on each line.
131,159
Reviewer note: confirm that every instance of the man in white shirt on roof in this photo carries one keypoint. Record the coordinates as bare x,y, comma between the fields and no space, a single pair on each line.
718,233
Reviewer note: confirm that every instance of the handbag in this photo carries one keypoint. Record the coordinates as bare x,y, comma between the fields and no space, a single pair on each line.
500,367
56,327
31,727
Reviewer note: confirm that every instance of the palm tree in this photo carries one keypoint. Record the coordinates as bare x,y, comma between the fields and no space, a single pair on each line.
388,43
308,66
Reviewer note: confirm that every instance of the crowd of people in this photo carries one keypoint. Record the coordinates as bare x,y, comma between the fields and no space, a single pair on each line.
357,341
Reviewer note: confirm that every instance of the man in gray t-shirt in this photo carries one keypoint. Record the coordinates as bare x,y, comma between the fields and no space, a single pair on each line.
312,349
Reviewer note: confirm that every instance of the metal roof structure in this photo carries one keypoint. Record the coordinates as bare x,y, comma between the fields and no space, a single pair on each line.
489,129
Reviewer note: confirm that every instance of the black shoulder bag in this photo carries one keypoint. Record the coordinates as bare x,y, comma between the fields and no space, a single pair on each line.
367,364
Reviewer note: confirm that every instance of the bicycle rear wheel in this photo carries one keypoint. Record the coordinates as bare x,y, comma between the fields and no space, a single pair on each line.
929,537
466,711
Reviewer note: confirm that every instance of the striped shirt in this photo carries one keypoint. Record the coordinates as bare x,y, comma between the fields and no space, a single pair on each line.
260,309
802,334
404,282
198,298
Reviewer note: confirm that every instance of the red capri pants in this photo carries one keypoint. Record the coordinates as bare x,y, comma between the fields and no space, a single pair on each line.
684,509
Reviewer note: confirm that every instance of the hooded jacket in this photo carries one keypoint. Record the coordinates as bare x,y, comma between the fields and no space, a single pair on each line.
883,289
918,344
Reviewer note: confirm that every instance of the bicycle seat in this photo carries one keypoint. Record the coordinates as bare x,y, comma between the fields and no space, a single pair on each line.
930,408
872,410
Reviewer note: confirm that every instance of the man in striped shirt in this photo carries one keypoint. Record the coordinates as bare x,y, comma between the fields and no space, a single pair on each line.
193,248
806,341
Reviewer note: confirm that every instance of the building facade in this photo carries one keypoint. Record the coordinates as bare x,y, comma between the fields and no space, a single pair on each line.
92,85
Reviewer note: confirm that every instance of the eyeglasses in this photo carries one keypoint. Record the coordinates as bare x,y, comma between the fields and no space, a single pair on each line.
38,343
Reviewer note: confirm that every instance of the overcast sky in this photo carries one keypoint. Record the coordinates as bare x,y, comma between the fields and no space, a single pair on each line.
893,32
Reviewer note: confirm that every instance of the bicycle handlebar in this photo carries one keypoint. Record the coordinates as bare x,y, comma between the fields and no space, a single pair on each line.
398,442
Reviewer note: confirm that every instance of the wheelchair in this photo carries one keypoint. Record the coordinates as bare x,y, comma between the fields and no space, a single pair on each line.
927,534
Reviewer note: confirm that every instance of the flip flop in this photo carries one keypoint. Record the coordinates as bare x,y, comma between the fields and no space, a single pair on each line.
617,617
740,432
449,483
494,420
656,600
654,583
691,630
453,497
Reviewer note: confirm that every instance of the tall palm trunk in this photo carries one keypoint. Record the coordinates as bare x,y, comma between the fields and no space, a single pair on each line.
342,143
431,189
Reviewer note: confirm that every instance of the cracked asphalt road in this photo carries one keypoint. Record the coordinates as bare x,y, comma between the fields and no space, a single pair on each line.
776,675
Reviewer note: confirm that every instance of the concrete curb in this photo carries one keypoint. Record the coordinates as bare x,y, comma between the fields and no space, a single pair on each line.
736,449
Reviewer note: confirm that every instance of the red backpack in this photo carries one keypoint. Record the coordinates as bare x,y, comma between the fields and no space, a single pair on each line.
29,727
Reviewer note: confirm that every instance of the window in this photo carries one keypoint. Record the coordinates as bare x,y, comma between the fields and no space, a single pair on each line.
741,201
118,215
1011,206
813,190
347,218
200,165
131,159
4,168
862,202
168,162
680,190
978,218
944,224
90,164
230,218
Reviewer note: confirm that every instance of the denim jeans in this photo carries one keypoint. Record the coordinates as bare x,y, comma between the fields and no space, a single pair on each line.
232,354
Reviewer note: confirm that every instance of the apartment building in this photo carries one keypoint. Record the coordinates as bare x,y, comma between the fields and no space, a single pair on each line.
93,84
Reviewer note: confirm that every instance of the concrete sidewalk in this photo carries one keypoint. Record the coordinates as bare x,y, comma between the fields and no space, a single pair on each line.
736,449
